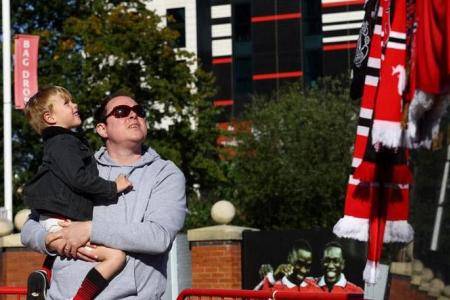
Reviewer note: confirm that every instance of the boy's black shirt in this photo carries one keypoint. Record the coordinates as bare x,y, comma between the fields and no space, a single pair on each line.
67,182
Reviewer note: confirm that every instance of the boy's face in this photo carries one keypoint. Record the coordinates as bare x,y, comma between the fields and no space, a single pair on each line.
64,113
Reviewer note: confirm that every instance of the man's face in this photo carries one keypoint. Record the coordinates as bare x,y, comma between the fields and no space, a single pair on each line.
302,266
131,129
333,264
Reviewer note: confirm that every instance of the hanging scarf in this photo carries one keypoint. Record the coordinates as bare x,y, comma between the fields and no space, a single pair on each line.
430,72
386,128
376,206
359,66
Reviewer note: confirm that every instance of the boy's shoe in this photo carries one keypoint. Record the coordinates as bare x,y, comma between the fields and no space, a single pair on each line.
37,286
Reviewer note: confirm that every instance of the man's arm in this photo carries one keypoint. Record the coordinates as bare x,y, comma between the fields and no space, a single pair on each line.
33,234
163,219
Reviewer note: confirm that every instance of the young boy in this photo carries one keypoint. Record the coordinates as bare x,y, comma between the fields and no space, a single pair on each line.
67,185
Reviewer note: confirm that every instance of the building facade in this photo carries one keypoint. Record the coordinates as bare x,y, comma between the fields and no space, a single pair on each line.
257,46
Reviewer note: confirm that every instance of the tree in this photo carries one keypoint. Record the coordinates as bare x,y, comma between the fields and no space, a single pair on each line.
291,171
96,47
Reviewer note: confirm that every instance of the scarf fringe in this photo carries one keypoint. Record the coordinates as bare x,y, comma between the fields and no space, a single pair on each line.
371,272
387,133
424,116
370,172
358,229
352,228
398,231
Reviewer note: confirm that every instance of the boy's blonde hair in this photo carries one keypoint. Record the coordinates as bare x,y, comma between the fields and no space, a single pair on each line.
41,103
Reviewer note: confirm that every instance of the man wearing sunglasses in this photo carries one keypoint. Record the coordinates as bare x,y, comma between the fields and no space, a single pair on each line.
142,222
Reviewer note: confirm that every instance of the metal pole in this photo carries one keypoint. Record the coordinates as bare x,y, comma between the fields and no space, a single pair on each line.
440,206
7,149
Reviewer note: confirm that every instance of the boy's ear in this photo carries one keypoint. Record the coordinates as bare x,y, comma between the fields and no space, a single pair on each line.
101,130
49,118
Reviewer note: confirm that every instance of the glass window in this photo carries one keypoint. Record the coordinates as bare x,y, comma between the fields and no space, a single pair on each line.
241,22
176,20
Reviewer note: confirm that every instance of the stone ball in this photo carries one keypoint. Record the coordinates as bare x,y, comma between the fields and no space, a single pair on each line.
6,227
436,287
427,275
223,211
446,291
417,267
20,218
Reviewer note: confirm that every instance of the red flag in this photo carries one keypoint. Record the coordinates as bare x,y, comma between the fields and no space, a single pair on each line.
25,68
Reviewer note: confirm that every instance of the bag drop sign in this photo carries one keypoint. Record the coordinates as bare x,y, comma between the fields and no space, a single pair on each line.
25,68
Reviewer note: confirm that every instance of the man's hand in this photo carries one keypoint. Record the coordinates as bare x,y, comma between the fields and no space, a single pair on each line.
76,235
55,243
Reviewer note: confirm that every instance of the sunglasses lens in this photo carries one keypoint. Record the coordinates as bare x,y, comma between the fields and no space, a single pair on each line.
123,111
139,110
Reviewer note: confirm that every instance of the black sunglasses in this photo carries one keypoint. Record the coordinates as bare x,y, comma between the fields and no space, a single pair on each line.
123,111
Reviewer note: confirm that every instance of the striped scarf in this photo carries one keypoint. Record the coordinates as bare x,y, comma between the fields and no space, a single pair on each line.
377,200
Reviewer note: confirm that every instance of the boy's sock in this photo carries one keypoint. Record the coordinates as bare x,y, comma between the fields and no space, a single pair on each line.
91,286
47,267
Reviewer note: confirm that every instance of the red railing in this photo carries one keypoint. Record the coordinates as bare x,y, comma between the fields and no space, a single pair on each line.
17,291
212,294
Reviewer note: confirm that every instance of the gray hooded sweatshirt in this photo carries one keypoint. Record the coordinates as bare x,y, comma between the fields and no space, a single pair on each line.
142,222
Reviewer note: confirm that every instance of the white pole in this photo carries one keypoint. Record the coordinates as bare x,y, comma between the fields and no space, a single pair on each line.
440,208
7,149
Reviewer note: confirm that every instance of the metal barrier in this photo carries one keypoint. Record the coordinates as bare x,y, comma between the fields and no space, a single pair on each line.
212,294
18,291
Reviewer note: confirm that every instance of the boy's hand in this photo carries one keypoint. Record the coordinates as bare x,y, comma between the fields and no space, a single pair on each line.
122,183
85,253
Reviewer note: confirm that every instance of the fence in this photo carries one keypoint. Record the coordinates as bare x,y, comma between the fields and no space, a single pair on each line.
213,294
17,291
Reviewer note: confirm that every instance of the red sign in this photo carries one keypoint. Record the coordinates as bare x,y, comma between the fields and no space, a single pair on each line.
25,68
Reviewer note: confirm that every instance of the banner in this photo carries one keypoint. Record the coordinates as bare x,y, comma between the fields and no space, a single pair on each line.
25,68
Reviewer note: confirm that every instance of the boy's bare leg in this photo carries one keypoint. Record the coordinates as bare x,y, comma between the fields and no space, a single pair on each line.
111,261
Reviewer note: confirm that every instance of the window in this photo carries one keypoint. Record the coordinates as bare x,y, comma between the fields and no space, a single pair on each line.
176,20
241,22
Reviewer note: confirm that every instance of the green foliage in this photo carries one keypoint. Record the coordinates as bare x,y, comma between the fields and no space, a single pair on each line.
291,171
97,47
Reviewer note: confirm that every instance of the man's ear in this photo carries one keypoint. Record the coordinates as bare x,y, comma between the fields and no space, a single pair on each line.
49,118
101,130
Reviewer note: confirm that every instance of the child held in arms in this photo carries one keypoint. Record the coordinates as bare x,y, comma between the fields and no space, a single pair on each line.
67,186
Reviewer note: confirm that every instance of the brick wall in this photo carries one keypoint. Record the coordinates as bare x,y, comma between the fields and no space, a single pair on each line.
216,264
15,265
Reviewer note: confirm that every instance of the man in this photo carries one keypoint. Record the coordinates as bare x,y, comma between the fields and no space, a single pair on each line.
333,263
300,258
142,222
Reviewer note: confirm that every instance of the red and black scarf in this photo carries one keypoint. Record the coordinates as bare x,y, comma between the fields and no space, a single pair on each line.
377,200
